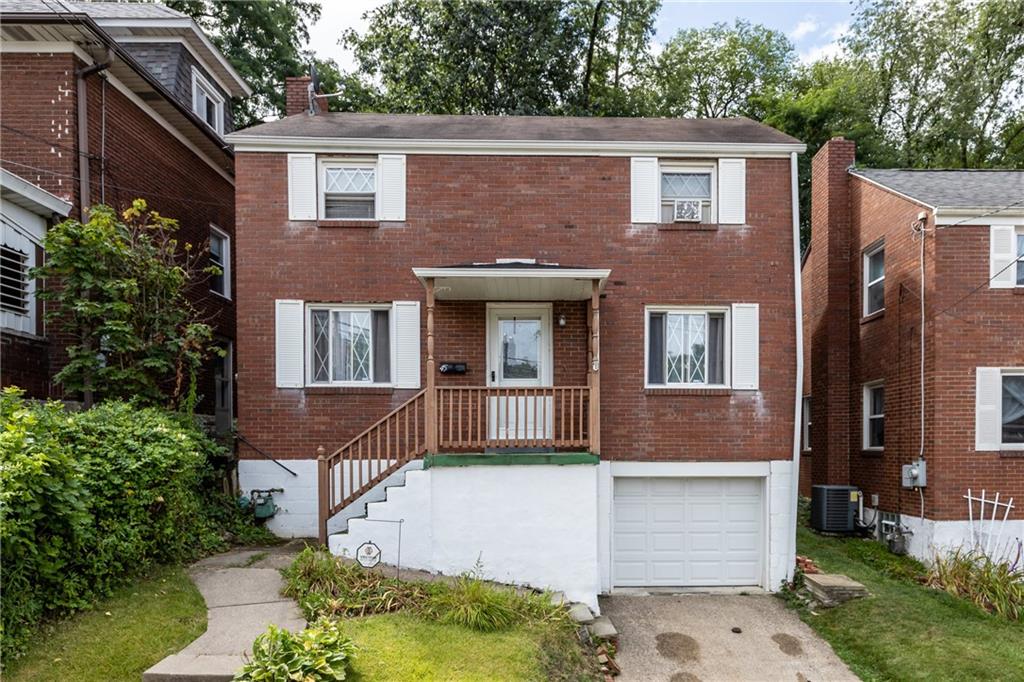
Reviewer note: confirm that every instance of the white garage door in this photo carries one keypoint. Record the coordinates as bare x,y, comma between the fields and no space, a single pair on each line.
679,532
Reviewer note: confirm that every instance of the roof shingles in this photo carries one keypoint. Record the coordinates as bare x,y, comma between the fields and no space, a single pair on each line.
985,189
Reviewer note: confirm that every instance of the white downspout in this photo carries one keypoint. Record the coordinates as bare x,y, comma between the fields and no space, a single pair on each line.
799,397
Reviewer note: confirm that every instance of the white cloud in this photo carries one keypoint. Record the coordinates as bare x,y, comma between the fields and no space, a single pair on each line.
335,17
833,48
804,28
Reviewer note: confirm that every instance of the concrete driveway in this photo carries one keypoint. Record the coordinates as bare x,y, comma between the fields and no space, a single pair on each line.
690,638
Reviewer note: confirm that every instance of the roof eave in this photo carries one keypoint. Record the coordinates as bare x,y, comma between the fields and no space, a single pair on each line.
39,201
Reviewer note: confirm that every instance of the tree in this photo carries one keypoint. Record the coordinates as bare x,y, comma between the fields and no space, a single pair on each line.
265,42
120,292
722,70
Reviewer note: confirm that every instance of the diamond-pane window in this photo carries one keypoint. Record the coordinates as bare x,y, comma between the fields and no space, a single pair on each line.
686,196
349,192
350,181
693,350
686,185
349,346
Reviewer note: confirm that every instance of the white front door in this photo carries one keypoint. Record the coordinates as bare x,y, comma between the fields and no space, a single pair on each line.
687,532
519,355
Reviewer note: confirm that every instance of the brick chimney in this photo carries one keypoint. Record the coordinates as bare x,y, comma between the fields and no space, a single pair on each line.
296,95
831,323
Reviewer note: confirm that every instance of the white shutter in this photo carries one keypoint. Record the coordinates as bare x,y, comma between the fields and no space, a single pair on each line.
301,187
1002,252
391,187
288,343
407,344
732,191
988,409
644,189
745,346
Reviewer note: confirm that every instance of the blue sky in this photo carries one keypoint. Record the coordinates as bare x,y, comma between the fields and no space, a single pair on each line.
814,27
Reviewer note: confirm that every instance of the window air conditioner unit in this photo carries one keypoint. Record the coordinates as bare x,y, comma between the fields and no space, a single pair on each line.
834,508
687,210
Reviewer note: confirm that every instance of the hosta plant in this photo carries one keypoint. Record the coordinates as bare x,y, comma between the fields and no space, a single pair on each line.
320,653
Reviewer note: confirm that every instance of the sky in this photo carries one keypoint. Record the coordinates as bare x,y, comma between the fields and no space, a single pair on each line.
813,26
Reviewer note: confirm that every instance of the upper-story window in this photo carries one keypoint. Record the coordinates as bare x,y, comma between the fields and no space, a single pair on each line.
874,279
686,347
348,190
349,345
687,193
874,416
220,256
207,103
1020,256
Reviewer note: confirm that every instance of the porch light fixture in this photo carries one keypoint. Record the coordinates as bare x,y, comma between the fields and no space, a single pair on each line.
561,320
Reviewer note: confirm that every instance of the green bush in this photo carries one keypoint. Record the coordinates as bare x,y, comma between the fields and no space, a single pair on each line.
320,652
994,586
89,499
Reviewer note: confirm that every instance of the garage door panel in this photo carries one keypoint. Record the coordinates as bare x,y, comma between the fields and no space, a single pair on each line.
687,532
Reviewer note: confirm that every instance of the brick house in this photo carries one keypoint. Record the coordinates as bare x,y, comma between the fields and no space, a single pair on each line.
565,348
862,289
105,102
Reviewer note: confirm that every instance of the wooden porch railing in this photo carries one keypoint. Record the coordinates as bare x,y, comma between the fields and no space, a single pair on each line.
472,418
369,458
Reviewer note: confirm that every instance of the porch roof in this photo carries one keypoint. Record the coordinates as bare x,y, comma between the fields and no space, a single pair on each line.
513,280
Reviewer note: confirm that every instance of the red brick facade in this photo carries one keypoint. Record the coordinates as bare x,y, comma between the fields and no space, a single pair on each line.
142,159
847,350
571,210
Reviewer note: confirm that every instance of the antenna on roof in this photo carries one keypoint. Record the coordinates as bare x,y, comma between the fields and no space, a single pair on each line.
314,88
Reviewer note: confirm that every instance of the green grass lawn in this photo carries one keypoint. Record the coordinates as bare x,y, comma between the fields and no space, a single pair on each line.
404,646
148,620
905,630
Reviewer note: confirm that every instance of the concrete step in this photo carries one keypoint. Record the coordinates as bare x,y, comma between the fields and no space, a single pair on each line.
557,598
581,613
194,668
602,628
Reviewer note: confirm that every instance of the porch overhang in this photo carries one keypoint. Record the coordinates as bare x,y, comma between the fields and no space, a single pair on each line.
513,282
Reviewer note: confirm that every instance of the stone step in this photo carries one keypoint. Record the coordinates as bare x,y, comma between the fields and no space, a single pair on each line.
602,628
581,613
833,589
557,598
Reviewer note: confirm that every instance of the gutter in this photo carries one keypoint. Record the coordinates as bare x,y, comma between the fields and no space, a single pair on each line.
112,46
799,382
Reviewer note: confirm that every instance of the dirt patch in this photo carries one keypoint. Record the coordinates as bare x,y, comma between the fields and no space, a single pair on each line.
684,677
788,644
677,646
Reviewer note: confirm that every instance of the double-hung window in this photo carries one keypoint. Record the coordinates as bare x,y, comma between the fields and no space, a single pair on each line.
207,103
874,416
874,279
220,257
687,193
348,190
349,345
687,347
1020,255
1012,413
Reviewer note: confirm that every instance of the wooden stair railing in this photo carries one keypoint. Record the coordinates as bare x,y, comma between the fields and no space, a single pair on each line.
360,464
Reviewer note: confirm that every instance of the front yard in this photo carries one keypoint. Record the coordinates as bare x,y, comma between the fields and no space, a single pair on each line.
905,630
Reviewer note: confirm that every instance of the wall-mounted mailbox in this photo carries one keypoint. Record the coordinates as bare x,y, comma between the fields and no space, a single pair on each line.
453,368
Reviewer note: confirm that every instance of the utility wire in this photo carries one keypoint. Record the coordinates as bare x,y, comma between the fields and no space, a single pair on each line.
974,290
983,215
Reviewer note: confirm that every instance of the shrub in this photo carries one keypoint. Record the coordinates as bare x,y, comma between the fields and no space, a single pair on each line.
992,585
89,499
320,652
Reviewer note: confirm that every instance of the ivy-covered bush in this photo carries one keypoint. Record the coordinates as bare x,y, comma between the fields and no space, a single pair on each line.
320,653
89,499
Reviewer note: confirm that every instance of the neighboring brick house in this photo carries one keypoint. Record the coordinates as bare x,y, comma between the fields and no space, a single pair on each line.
105,102
862,324
574,338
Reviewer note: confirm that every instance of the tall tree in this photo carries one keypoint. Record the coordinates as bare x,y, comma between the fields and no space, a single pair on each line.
265,42
722,70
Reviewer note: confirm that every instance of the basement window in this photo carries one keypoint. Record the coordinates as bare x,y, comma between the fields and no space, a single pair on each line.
349,346
874,416
348,190
874,279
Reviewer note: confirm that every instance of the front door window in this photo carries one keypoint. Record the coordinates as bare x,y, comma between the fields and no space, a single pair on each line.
520,348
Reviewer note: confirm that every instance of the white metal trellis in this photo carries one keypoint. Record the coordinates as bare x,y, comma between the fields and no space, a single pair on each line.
994,504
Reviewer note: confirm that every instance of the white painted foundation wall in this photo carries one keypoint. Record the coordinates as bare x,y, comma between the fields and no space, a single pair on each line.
941,537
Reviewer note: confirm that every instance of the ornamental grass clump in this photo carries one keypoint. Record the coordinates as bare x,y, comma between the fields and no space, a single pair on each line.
995,586
320,653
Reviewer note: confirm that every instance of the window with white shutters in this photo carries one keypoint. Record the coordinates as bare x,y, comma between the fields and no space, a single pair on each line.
349,345
687,194
999,408
686,347
348,190
1006,256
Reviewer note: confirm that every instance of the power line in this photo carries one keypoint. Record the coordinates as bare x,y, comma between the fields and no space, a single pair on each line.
974,290
983,215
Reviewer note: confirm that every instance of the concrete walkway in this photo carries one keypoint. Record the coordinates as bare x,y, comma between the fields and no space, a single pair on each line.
242,589
690,638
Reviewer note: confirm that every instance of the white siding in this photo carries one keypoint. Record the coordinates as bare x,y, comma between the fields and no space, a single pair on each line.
988,433
1002,252
288,343
745,346
302,187
732,191
407,344
391,187
644,189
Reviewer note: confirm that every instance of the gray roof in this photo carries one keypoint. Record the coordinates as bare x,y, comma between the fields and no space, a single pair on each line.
520,128
952,188
97,10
